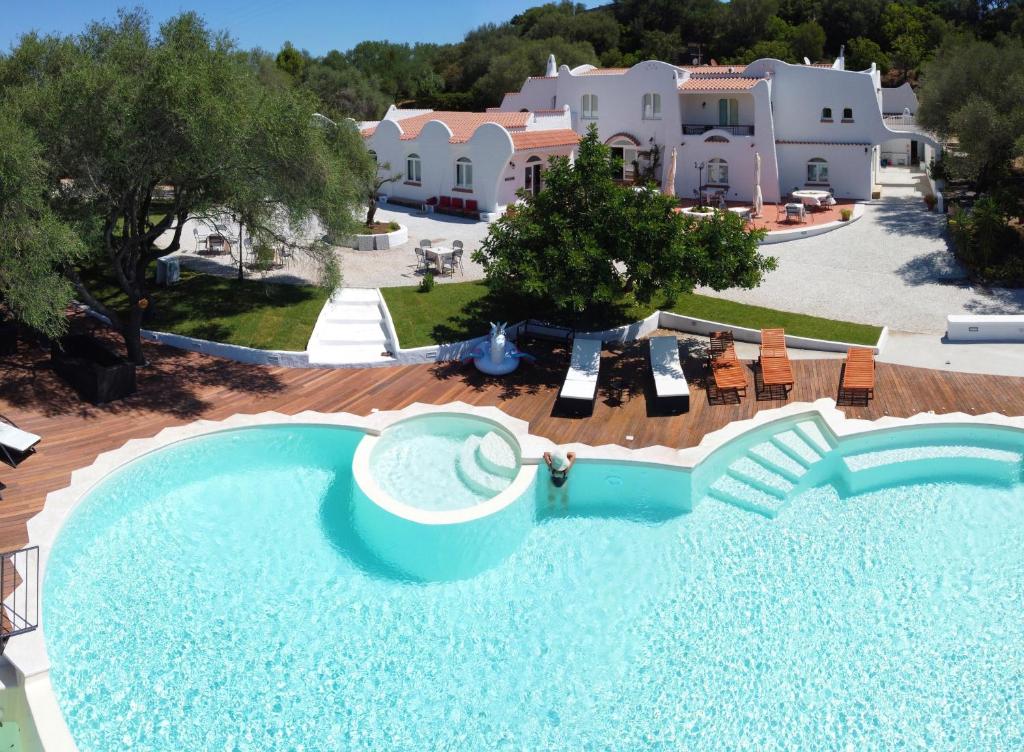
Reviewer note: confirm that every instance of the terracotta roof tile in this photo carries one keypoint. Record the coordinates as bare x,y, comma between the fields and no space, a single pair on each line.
714,70
718,84
604,72
524,140
462,124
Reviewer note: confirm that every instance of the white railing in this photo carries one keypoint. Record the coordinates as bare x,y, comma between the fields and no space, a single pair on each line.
902,123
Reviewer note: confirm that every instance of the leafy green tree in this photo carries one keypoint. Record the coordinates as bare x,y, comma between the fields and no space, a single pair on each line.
808,40
584,240
34,244
119,111
402,72
845,19
292,61
861,52
962,99
571,21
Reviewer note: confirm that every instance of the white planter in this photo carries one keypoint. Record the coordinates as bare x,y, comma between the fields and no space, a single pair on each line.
379,242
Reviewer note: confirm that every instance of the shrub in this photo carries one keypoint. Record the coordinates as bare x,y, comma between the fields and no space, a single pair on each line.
394,226
845,214
930,201
427,283
986,243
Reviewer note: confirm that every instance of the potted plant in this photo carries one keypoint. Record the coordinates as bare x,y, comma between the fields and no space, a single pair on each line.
930,201
845,214
96,372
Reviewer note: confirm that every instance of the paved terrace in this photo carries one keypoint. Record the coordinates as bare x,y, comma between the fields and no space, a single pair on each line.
182,387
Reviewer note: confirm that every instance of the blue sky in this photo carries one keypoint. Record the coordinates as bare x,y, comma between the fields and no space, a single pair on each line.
317,25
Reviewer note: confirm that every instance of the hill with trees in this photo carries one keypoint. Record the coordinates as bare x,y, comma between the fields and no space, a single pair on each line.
899,35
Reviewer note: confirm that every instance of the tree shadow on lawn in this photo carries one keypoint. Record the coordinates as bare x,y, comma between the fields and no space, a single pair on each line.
476,316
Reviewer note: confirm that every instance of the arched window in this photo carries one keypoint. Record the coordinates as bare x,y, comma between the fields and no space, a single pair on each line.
373,155
847,113
817,170
588,107
413,171
652,107
826,113
463,173
718,171
716,140
532,177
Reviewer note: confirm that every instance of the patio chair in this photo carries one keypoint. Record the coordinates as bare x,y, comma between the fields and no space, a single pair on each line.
425,244
457,245
858,380
472,207
457,205
670,387
421,259
201,233
455,259
776,369
718,343
15,444
797,212
579,391
445,203
727,374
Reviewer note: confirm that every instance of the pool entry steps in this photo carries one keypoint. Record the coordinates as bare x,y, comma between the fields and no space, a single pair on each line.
764,478
486,463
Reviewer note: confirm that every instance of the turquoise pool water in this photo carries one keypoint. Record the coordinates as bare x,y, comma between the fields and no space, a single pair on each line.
434,462
213,596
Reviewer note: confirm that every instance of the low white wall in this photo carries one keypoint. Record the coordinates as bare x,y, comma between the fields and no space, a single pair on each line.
669,320
810,230
380,241
994,328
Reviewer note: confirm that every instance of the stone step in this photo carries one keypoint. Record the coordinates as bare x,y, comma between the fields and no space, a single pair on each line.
340,355
351,334
356,295
353,313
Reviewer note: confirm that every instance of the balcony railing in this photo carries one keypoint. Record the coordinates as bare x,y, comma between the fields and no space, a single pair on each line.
735,130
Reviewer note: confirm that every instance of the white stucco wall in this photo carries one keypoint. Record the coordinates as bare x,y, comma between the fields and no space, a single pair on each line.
849,167
896,99
489,150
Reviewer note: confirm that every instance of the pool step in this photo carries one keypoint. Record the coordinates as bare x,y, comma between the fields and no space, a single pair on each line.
496,455
757,475
794,445
882,457
741,494
811,432
772,458
473,474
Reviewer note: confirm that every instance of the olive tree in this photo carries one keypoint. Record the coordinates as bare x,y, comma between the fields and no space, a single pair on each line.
584,240
120,111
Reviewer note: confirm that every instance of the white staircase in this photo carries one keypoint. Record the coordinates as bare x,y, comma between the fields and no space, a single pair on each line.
486,464
350,331
763,479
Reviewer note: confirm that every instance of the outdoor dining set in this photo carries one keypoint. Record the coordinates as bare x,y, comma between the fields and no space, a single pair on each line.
439,258
801,202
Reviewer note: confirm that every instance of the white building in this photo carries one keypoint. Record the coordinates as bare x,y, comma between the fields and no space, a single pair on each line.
472,162
813,126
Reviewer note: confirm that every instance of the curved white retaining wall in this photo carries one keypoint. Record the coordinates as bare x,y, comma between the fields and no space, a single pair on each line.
379,241
809,230
514,509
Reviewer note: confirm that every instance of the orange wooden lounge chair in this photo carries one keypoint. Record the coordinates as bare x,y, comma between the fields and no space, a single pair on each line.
719,341
858,375
728,373
776,370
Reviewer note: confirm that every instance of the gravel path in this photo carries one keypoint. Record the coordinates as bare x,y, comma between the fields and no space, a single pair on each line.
892,267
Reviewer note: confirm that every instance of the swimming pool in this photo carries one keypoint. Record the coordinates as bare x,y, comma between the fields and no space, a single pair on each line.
629,616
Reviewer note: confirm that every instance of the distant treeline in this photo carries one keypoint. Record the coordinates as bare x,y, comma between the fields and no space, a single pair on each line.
898,35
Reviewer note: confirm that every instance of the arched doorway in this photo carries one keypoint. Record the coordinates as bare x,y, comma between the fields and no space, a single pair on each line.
532,178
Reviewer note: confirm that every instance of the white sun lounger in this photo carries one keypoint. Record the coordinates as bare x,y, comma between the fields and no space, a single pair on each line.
580,387
13,439
670,387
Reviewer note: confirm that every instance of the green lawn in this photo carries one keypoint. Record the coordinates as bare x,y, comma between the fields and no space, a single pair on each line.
453,312
249,313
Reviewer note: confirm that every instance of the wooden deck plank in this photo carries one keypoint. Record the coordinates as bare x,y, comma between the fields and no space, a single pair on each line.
181,387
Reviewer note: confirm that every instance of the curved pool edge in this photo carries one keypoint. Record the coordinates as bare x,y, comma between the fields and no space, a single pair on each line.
28,653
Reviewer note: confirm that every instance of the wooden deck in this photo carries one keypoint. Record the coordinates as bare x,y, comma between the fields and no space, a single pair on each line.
182,387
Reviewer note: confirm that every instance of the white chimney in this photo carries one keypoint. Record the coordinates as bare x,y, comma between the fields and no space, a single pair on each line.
552,67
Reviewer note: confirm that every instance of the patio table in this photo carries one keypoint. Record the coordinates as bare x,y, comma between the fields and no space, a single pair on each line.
810,197
439,253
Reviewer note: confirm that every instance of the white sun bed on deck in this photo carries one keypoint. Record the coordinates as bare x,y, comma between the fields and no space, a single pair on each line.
580,387
14,439
670,384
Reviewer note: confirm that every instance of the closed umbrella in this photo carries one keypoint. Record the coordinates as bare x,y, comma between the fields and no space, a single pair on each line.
668,185
758,198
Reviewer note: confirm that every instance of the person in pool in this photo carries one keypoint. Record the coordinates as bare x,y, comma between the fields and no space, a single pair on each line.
559,463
